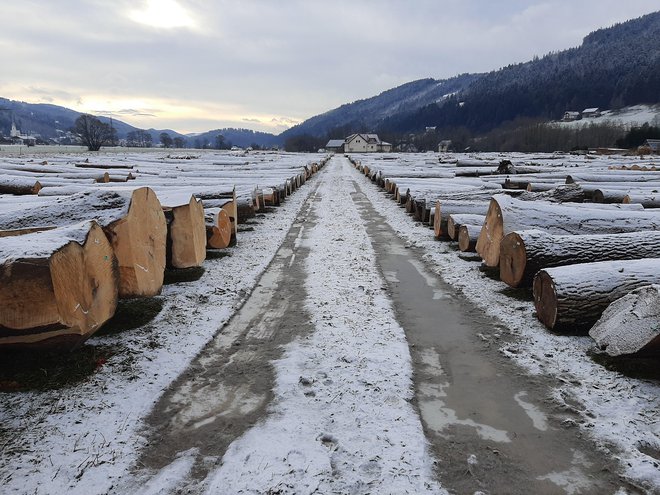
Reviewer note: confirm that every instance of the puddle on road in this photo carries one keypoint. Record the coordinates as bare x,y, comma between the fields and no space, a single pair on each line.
473,403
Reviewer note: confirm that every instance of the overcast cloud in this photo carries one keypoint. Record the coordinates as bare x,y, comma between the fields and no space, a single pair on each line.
194,65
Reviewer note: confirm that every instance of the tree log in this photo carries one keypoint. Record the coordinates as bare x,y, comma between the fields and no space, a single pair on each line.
455,221
445,208
18,185
506,214
56,287
572,298
630,324
218,229
647,200
186,233
467,237
525,252
133,221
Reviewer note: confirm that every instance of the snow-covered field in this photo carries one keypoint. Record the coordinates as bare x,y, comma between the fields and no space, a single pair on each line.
86,437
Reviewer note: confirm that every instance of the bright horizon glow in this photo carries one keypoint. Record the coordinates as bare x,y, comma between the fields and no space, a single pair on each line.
165,14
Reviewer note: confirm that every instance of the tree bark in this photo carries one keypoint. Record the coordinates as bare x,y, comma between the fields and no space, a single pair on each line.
523,253
506,214
572,298
630,324
58,287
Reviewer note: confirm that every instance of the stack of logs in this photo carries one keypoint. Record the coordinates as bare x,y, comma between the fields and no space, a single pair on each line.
66,259
581,238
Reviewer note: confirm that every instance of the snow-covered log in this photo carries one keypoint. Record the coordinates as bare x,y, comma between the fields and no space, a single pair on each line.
467,237
647,200
455,221
445,208
506,214
525,252
18,185
56,287
572,298
608,195
630,324
133,220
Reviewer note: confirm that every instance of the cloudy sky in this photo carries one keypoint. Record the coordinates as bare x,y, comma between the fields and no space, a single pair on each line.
195,65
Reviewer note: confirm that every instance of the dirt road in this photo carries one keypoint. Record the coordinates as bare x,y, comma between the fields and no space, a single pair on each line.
352,368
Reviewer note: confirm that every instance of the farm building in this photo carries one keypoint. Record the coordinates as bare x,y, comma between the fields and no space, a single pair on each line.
365,143
653,144
589,113
336,145
571,116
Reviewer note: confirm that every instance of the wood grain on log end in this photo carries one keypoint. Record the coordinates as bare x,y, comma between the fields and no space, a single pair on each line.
513,259
219,233
545,299
492,231
139,240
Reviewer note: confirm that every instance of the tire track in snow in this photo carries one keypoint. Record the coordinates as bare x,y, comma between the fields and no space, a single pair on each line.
341,420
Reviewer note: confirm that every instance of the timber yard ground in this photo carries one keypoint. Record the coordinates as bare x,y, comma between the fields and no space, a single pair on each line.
338,348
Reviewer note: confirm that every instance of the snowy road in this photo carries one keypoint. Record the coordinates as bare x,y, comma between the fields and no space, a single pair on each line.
352,368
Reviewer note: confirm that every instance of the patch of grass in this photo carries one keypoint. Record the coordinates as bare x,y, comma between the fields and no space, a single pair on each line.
32,370
646,367
132,313
177,275
214,254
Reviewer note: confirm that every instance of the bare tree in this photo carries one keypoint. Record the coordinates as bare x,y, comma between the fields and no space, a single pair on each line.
92,132
166,139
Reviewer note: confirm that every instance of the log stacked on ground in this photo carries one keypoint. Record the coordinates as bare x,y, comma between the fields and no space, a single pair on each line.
133,222
56,287
630,324
572,298
523,253
506,214
186,232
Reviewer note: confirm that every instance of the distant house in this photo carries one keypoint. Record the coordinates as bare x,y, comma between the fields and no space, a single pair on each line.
653,145
571,116
336,145
365,143
431,129
443,146
589,113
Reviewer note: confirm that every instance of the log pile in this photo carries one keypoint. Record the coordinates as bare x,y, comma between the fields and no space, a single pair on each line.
99,232
580,233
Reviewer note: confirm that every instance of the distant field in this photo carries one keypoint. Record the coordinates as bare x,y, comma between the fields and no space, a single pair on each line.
13,149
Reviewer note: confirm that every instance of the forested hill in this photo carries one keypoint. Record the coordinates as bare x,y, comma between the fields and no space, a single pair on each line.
614,67
369,113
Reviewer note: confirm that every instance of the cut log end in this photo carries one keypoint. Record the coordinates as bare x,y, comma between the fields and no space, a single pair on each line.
545,299
513,260
61,298
139,240
219,232
187,235
488,244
